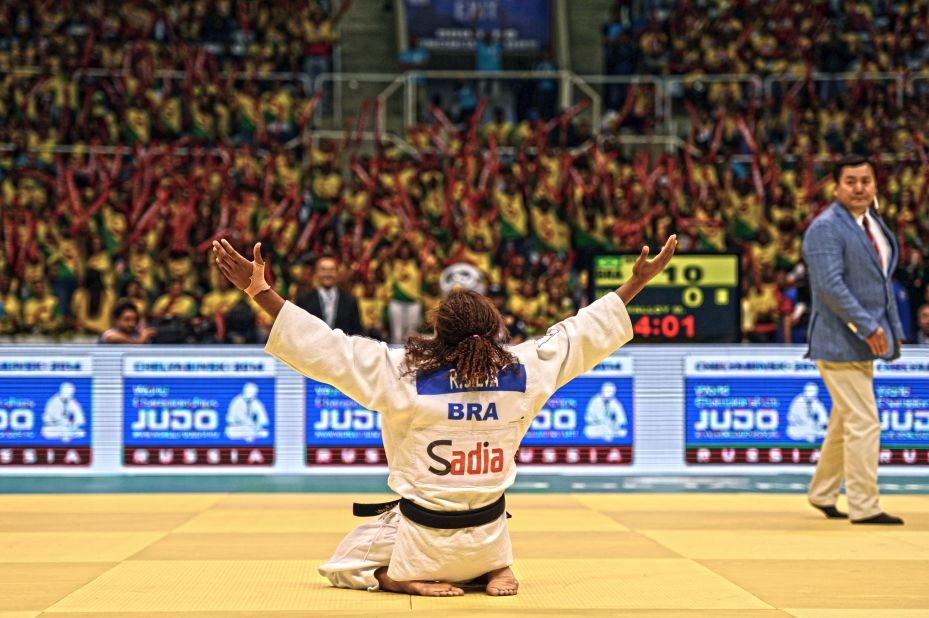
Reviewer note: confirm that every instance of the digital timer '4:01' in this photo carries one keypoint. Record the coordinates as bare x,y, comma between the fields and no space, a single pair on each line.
668,326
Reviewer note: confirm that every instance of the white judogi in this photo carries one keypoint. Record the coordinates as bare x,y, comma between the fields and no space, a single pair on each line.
448,446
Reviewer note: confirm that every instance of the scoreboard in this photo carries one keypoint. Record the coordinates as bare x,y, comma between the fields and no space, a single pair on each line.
695,299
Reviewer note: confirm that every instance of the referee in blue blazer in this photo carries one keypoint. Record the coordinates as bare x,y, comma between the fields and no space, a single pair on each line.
851,255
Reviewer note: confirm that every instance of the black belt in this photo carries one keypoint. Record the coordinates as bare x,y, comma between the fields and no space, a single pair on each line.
444,520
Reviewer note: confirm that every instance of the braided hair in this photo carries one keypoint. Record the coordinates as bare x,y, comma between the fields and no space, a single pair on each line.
468,337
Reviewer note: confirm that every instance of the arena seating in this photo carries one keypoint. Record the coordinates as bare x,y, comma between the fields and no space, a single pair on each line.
132,134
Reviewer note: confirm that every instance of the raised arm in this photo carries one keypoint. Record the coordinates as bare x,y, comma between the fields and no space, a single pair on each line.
359,367
575,345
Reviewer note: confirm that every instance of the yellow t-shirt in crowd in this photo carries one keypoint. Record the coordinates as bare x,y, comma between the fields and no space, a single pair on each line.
80,307
183,306
43,314
219,301
405,279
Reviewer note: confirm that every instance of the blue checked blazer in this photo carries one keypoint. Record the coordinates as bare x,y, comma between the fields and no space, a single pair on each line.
851,295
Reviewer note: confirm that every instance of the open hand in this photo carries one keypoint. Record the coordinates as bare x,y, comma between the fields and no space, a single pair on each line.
234,265
646,269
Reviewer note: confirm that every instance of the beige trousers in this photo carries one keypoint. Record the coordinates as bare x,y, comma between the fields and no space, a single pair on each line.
852,445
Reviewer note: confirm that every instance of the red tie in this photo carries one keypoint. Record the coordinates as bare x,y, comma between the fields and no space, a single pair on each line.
867,229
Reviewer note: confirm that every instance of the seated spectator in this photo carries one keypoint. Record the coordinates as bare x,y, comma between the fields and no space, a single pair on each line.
372,309
558,306
173,315
499,128
761,307
10,307
125,328
529,308
174,303
92,304
405,307
922,325
328,302
240,325
797,295
133,293
513,324
42,312
220,301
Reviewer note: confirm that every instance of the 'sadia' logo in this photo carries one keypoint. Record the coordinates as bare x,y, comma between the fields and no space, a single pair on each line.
479,460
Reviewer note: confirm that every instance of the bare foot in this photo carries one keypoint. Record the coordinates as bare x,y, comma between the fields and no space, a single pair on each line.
502,583
420,588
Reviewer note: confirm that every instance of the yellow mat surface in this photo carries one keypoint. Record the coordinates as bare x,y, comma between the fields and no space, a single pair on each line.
244,555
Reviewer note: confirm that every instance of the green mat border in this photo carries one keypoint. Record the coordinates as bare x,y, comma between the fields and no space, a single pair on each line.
362,484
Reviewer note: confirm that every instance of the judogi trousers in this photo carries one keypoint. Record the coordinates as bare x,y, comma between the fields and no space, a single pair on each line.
454,555
852,446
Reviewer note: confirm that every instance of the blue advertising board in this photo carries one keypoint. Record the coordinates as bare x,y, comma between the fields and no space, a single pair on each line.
448,25
587,421
775,410
46,410
204,411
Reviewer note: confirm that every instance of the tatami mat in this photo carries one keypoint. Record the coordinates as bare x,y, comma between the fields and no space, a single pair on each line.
255,556
851,543
73,546
831,584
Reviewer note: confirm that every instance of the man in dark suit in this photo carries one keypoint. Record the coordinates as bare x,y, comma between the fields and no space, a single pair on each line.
330,304
851,256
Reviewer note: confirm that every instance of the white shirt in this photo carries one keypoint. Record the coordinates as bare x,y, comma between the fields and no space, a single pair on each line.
877,230
328,298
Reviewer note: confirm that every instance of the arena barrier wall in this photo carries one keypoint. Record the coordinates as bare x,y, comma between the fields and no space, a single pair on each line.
662,409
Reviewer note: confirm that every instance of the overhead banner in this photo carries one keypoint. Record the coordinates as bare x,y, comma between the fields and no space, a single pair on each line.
207,411
46,410
775,410
448,25
587,421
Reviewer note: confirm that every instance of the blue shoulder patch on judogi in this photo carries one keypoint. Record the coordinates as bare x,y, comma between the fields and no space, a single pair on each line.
445,381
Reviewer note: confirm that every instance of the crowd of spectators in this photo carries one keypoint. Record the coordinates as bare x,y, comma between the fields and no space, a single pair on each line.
91,234
107,72
136,226
694,37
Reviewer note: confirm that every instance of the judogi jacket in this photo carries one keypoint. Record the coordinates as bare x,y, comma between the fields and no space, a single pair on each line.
450,446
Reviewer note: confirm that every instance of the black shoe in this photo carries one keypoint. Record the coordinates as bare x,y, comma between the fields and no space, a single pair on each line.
880,518
831,512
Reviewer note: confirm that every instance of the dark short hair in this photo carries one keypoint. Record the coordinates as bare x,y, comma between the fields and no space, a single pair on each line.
325,257
851,160
122,308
